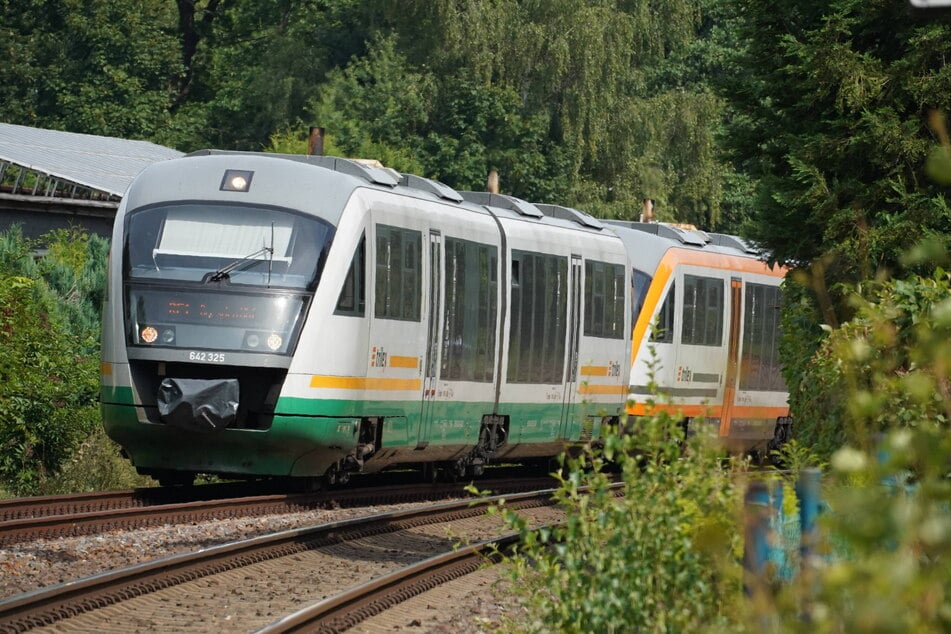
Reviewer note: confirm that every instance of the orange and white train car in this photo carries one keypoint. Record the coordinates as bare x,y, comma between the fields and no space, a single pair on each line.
705,343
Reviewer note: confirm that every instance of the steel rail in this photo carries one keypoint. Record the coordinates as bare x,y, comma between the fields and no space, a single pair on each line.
49,605
349,608
53,522
18,508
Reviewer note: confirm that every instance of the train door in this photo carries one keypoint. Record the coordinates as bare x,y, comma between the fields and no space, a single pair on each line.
433,341
574,336
733,353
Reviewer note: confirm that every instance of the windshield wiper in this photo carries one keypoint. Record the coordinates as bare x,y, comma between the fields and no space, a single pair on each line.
223,272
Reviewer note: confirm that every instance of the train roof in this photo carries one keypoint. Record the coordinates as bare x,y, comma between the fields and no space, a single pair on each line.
371,174
646,242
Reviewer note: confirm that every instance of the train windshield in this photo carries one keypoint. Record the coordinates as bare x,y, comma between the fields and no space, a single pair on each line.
244,245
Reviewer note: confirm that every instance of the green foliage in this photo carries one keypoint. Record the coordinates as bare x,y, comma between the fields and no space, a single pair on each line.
572,102
258,64
833,98
886,537
616,97
662,558
75,269
94,465
49,372
99,68
793,457
375,108
884,369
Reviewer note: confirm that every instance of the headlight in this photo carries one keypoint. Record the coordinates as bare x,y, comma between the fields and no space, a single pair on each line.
148,334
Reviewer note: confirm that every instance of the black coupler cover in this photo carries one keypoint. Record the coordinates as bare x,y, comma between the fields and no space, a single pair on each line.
202,405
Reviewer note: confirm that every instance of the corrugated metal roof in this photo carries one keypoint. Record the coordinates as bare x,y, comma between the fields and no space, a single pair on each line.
99,162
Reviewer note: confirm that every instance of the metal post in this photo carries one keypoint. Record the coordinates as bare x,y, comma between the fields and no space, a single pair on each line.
807,490
756,533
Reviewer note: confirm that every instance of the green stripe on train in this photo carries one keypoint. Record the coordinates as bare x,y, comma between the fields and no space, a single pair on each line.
308,435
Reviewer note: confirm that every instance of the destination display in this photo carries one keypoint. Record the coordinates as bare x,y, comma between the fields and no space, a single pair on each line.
230,309
227,321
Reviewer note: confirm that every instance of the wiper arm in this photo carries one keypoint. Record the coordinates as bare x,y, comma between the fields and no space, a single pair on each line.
223,272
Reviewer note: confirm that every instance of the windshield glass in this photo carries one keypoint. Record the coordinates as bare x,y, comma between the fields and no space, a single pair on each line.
257,246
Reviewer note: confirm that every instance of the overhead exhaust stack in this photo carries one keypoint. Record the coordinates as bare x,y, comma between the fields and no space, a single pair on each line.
315,142
492,182
647,214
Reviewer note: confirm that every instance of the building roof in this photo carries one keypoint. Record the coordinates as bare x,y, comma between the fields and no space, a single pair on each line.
99,163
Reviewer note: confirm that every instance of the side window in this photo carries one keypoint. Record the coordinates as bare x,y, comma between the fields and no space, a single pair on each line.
664,326
640,282
352,300
759,364
471,311
539,314
604,300
398,273
703,311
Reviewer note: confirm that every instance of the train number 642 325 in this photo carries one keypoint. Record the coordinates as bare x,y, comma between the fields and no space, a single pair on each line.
210,357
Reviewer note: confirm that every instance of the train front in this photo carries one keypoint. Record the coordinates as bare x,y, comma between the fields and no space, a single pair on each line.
214,264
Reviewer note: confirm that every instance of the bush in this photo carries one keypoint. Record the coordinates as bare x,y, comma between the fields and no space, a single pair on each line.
884,369
887,531
49,369
885,538
94,466
662,558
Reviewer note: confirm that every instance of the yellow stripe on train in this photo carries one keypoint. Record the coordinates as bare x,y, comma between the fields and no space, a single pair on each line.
364,383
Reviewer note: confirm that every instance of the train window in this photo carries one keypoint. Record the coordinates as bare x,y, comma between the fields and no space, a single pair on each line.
352,300
470,311
703,311
759,363
398,275
640,282
245,244
538,318
663,331
604,306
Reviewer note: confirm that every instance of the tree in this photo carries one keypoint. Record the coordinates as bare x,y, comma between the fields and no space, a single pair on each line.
262,62
832,103
835,97
598,74
100,68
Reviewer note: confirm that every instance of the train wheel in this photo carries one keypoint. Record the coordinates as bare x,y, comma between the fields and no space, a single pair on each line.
331,476
334,476
429,474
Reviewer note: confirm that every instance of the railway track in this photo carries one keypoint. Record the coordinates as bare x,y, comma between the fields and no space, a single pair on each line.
367,600
25,519
255,582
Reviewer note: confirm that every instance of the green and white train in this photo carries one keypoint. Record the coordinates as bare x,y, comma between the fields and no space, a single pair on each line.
311,317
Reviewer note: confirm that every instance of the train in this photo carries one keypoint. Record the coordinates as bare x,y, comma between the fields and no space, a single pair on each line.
314,317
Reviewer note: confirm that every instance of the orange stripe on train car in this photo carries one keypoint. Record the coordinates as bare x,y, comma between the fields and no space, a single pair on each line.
404,362
588,388
643,409
759,411
105,369
593,370
365,383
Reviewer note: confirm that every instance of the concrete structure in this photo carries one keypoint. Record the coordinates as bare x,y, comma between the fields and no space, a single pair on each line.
51,179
